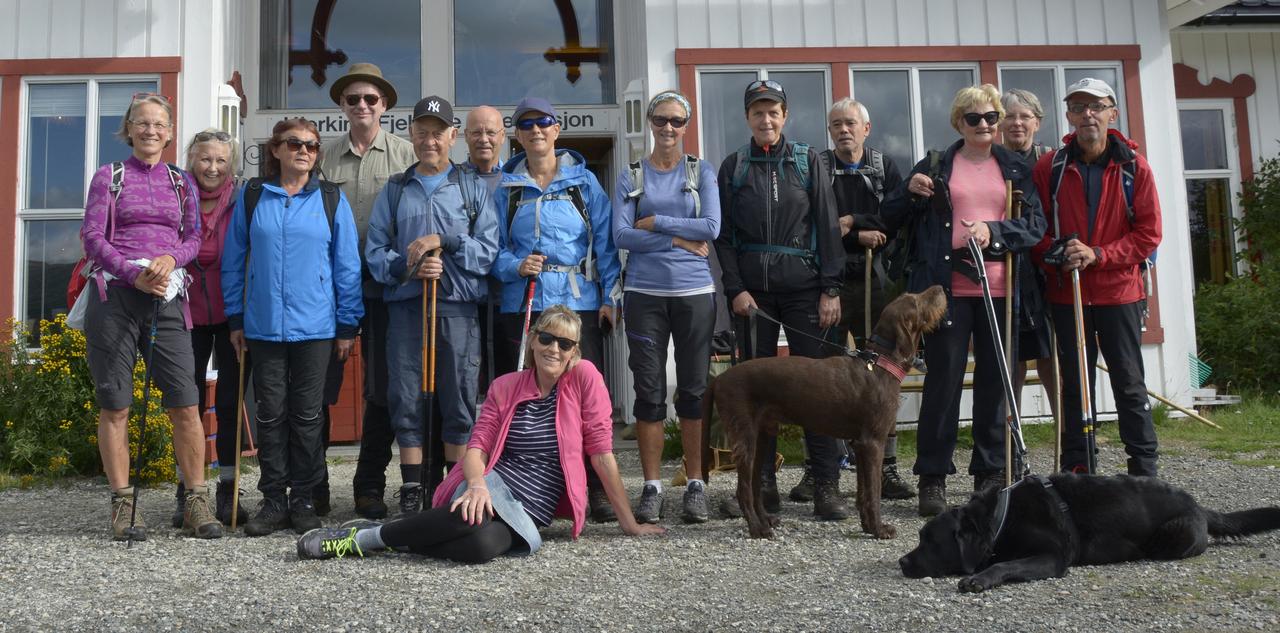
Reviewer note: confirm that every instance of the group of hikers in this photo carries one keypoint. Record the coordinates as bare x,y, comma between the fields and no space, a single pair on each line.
497,283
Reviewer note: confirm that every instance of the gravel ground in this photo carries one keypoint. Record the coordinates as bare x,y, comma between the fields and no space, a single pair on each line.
60,571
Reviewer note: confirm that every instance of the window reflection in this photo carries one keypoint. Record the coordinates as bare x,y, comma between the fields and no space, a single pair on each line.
721,115
1039,82
885,93
52,248
937,90
1203,139
561,50
1209,216
55,146
113,100
807,101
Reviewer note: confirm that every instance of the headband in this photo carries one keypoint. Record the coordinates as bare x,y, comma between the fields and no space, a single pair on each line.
668,96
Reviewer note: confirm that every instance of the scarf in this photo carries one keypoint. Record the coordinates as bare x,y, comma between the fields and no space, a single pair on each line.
209,221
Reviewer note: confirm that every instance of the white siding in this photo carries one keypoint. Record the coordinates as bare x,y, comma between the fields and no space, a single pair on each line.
1225,54
43,29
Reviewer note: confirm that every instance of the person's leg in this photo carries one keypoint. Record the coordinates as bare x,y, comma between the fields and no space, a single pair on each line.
331,390
172,369
457,379
591,341
440,533
764,344
376,436
648,332
270,385
202,346
692,325
306,444
987,458
945,351
113,331
1120,338
1074,450
404,397
226,407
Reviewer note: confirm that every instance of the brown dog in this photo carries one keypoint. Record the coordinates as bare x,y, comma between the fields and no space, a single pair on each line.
845,397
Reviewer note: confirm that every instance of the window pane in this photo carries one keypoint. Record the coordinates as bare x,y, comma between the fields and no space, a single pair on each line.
720,113
807,101
562,51
1212,242
884,92
383,32
55,146
113,100
1038,81
937,91
52,248
1203,139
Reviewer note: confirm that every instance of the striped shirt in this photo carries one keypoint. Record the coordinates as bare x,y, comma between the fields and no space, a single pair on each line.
530,461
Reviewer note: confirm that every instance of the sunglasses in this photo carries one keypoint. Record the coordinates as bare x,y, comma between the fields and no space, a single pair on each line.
297,145
547,338
370,99
662,121
139,96
972,119
1095,107
205,137
543,121
765,83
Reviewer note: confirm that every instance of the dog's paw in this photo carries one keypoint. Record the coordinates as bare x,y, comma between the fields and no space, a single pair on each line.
886,531
973,584
774,520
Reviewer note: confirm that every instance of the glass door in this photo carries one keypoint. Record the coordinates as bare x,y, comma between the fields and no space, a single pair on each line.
1212,174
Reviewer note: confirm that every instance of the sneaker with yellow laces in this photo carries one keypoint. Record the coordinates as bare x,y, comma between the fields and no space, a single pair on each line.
322,543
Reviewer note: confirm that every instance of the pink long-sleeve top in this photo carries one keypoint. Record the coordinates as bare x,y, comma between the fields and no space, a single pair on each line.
147,220
583,425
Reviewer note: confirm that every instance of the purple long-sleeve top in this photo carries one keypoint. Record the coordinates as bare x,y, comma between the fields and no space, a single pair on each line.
146,223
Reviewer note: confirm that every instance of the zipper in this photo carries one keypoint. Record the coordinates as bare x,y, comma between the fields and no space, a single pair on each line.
771,185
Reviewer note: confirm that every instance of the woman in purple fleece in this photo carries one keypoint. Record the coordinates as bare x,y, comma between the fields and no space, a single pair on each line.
136,236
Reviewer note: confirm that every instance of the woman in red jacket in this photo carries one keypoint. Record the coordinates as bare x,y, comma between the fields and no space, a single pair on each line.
523,465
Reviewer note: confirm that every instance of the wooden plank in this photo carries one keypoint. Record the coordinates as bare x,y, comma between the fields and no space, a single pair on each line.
1004,22
851,23
164,35
99,36
691,24
1118,22
1215,56
971,24
1032,24
912,14
66,29
1239,58
1192,47
882,25
1060,22
786,24
723,30
132,19
1264,126
33,30
754,27
819,22
1091,20
9,29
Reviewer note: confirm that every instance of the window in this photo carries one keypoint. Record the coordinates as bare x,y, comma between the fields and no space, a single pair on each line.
905,134
1049,84
562,51
1210,158
306,44
70,131
721,117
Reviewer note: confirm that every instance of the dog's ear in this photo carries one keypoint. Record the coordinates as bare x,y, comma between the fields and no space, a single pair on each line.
972,540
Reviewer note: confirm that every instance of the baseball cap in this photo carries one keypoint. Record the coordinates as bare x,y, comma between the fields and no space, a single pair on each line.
1095,87
763,89
533,104
434,106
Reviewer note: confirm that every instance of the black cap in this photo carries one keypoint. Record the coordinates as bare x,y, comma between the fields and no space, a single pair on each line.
434,106
764,89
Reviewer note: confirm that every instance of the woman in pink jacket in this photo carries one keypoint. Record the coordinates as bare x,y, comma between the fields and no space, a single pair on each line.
523,465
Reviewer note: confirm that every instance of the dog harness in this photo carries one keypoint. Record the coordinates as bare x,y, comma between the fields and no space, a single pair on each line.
1002,503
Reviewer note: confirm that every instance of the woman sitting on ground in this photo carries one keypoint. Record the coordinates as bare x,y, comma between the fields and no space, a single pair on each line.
523,465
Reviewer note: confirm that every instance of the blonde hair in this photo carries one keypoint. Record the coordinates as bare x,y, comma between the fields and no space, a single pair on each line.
139,99
971,96
561,319
214,135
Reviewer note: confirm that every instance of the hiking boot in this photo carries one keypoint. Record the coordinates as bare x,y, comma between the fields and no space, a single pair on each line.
601,509
649,507
769,494
827,504
803,491
272,515
320,499
371,506
323,543
180,502
695,505
933,495
197,520
302,513
892,486
121,512
410,496
992,479
222,503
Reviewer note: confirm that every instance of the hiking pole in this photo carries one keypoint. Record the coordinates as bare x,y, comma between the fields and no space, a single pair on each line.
1014,421
1082,362
1057,399
241,419
530,286
866,301
1013,209
142,426
1192,414
429,383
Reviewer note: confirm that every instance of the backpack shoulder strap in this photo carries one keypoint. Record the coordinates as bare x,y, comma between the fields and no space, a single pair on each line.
799,154
514,198
331,196
743,158
692,176
466,181
178,179
395,188
252,193
575,196
1128,173
116,186
877,172
636,172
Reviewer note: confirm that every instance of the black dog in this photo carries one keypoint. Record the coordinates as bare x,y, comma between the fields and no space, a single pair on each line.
1048,524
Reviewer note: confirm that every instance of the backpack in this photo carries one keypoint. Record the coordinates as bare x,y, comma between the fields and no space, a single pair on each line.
801,167
691,177
872,172
253,192
470,201
84,268
574,195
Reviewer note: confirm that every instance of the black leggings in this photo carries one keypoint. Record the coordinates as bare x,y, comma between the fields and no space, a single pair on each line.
216,340
439,533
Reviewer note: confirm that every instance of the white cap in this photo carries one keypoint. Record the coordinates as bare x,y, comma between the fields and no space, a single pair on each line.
1095,87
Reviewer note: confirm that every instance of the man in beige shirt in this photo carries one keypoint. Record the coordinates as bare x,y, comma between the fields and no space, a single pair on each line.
360,162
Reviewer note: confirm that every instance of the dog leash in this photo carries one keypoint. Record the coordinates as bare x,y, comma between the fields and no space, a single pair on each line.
871,358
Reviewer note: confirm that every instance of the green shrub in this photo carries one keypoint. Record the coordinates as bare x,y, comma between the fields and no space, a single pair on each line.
50,424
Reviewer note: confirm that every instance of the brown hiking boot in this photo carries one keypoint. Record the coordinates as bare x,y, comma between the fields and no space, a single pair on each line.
827,504
122,513
933,495
197,518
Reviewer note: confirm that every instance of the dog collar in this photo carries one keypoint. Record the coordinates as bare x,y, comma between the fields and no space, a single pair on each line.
891,367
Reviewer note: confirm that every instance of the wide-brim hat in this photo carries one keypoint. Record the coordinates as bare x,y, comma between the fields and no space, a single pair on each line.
363,71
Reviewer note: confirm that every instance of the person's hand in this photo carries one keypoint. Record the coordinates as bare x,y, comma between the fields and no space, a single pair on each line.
432,268
159,269
475,504
979,231
699,248
846,225
920,185
643,529
143,282
343,348
424,244
645,223
237,341
743,304
1078,255
871,239
532,265
828,311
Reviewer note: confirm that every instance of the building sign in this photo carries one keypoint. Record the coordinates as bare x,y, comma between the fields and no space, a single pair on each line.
576,120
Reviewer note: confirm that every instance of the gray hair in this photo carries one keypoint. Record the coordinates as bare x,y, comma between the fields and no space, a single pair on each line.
139,99
1024,98
214,135
848,103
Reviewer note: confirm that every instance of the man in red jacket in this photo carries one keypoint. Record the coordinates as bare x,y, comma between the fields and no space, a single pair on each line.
1104,194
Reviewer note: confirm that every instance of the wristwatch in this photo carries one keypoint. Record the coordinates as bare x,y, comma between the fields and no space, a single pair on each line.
833,291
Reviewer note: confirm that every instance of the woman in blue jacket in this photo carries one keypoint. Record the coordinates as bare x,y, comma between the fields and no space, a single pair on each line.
291,285
554,227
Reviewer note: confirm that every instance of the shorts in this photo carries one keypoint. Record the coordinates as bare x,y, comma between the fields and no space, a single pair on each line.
118,330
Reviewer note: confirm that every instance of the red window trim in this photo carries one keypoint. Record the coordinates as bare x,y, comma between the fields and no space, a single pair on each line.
12,72
1186,85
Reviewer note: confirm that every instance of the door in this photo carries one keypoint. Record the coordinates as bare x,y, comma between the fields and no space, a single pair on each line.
1212,176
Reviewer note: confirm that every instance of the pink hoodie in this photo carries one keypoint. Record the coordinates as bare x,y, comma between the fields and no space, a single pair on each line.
584,422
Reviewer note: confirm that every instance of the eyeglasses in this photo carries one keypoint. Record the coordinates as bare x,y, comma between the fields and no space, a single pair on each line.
770,84
662,121
1096,107
149,125
973,118
543,121
297,144
547,338
139,96
370,99
205,137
